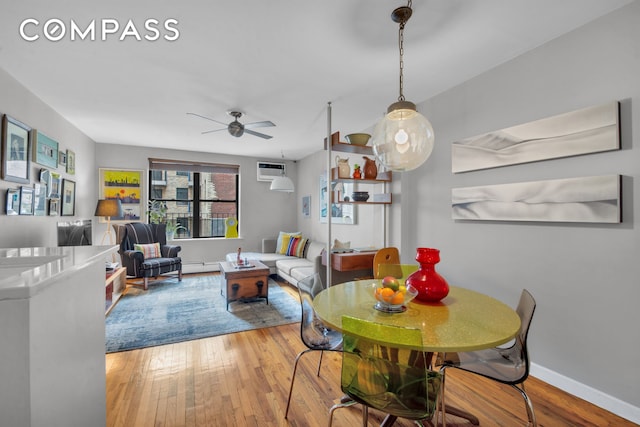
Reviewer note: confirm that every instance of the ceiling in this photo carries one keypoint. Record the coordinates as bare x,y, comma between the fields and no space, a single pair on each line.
277,60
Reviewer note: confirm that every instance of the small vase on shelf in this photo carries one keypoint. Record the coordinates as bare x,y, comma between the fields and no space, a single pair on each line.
431,286
370,168
357,174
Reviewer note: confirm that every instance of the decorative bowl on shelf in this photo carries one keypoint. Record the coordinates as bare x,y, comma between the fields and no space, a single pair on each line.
360,196
392,298
358,138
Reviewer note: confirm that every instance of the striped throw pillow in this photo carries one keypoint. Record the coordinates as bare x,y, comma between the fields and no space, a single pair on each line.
151,250
283,241
298,247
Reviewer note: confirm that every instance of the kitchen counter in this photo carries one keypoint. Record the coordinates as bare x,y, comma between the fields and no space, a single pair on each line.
52,336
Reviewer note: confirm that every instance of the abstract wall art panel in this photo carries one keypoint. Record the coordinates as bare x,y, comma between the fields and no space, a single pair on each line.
589,130
589,199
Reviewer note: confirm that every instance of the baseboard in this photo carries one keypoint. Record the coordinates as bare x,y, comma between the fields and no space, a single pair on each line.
200,267
590,394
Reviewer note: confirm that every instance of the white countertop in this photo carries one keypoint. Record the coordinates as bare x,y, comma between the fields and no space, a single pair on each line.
26,271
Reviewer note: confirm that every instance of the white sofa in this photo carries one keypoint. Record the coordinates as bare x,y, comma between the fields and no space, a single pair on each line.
290,268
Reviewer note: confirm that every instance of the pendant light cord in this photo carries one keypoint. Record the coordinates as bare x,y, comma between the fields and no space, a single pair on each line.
401,49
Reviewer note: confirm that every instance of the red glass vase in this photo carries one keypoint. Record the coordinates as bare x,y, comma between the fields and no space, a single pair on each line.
431,286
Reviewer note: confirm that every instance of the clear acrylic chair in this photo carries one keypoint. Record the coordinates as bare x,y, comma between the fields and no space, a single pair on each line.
508,365
399,271
314,334
383,367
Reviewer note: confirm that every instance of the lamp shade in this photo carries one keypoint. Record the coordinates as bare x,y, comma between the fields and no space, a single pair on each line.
282,183
403,139
109,208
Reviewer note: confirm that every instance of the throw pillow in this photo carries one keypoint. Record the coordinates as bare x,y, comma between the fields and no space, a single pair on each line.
152,250
297,247
283,241
337,244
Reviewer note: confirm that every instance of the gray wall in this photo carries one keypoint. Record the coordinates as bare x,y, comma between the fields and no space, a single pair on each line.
263,213
25,231
584,277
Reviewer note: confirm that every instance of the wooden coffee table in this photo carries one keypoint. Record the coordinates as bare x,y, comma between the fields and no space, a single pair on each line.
245,283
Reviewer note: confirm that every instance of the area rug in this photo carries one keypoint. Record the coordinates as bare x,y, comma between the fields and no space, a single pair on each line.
172,311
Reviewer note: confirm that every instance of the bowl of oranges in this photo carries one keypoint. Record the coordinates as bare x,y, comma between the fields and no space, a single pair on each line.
392,296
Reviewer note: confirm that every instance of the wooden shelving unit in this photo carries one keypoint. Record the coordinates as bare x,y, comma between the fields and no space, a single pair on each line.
115,285
345,147
374,199
383,177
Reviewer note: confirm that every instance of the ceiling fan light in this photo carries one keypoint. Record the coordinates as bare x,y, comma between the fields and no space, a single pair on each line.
283,184
403,139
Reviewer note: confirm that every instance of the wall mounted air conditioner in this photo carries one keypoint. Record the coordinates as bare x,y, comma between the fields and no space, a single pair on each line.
267,171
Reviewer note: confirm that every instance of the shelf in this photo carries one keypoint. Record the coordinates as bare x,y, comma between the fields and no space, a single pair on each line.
345,147
382,177
374,199
114,285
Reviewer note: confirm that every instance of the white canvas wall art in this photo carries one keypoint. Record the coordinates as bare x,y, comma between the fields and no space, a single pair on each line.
589,199
590,130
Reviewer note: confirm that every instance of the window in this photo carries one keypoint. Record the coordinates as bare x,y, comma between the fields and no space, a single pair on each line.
156,193
204,191
182,194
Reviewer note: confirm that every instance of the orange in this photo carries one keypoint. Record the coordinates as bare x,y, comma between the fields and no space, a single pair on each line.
398,298
386,294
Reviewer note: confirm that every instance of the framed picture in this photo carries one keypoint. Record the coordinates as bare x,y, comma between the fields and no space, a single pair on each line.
15,150
13,201
62,159
26,201
54,193
54,207
306,206
45,179
124,185
68,197
341,213
71,162
45,150
39,199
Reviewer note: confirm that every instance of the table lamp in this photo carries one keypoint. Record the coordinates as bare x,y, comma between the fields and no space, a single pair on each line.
108,208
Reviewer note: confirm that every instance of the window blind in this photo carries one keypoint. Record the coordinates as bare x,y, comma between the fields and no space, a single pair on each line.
190,166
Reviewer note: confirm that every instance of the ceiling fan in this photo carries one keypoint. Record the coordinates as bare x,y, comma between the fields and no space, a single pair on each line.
236,128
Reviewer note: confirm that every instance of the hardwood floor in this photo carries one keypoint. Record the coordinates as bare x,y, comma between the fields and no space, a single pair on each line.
243,379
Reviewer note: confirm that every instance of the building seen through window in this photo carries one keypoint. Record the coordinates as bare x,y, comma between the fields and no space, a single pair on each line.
198,198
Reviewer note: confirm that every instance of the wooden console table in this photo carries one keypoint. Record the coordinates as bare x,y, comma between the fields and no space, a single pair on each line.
350,261
115,284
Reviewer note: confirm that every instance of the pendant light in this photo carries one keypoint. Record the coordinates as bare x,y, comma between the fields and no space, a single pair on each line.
403,139
282,183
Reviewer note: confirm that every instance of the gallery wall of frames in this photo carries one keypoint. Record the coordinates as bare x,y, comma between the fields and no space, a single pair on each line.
26,152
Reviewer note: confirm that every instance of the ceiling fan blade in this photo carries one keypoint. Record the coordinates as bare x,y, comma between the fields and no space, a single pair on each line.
207,118
266,123
211,131
254,133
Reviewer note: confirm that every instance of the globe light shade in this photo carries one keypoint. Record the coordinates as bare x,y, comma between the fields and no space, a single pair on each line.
403,139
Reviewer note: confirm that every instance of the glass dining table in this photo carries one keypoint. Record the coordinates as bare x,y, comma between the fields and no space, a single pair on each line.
465,320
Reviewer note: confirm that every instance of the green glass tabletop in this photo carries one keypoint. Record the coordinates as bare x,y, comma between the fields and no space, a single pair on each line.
463,321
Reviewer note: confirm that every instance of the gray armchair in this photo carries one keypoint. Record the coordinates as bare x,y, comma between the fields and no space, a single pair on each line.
139,266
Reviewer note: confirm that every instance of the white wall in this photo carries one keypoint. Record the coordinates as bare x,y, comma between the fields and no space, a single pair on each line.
27,231
584,277
263,213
